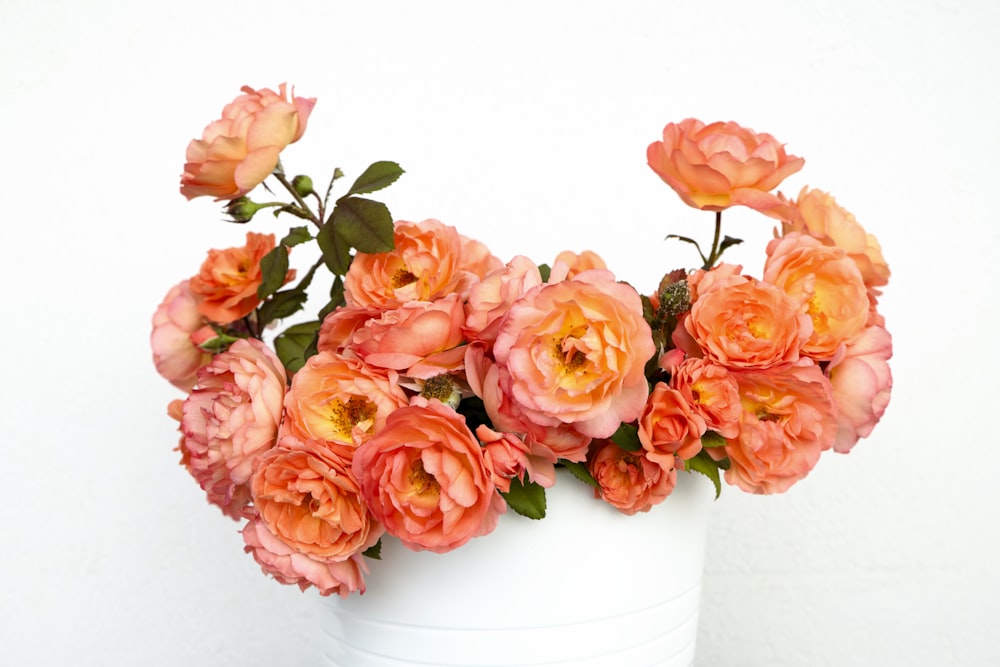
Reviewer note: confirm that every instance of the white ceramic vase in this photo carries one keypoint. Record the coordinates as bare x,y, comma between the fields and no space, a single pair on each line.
585,587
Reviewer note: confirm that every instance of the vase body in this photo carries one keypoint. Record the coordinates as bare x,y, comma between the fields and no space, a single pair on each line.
586,586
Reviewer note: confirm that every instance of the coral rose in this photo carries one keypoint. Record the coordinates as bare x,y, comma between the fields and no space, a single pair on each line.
491,298
740,322
789,419
630,481
568,263
828,284
226,284
862,384
425,479
509,456
574,353
238,151
713,167
670,426
176,356
231,419
712,392
294,568
307,496
339,399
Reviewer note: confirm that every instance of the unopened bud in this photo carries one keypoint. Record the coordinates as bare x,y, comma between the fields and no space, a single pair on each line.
241,210
303,185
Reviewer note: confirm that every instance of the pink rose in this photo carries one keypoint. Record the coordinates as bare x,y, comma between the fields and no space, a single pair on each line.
238,151
630,481
712,392
425,479
713,167
669,426
292,567
789,419
862,384
574,353
176,356
231,419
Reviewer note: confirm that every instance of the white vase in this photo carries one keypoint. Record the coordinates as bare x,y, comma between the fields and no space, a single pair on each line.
586,586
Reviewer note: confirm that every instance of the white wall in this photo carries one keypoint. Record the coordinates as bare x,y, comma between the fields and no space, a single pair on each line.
524,124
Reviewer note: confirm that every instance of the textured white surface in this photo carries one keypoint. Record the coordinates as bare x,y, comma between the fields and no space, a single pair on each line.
524,124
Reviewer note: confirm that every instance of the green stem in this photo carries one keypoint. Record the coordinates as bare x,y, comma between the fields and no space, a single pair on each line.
279,174
713,256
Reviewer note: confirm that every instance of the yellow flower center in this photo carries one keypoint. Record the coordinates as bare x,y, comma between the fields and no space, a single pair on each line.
422,482
402,277
355,412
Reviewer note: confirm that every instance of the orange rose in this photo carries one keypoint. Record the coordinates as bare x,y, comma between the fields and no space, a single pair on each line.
712,393
491,298
630,481
713,167
670,426
238,151
226,285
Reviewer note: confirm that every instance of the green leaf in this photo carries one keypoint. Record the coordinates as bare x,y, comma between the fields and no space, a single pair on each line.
545,271
281,305
712,439
706,465
292,344
273,268
377,176
336,250
336,298
295,236
627,437
374,551
727,242
364,224
581,472
294,210
526,499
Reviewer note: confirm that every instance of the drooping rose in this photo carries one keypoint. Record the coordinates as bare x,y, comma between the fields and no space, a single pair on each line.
712,392
713,167
491,298
231,419
789,419
862,385
334,398
238,151
176,357
308,497
669,426
425,479
294,568
828,284
226,285
630,481
741,322
574,353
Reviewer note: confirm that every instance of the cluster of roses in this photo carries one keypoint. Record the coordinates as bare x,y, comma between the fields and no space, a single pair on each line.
449,383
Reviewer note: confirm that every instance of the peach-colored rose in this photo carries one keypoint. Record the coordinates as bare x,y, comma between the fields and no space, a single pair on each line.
231,419
476,258
238,151
427,263
789,419
574,353
568,263
307,496
630,481
509,456
827,283
818,214
294,568
712,392
339,399
176,357
226,285
425,479
741,322
491,298
713,167
339,326
669,426
419,338
862,384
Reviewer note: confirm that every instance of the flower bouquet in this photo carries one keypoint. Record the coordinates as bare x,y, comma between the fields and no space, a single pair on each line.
437,386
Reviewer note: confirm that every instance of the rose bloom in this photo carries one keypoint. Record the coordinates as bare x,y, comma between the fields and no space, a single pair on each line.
176,357
425,479
574,353
862,384
509,456
427,263
741,322
828,284
713,167
420,338
238,151
789,419
307,496
630,481
295,568
491,298
670,426
568,263
712,392
339,399
226,285
338,327
231,419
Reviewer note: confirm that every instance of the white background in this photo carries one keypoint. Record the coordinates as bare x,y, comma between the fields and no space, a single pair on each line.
525,125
